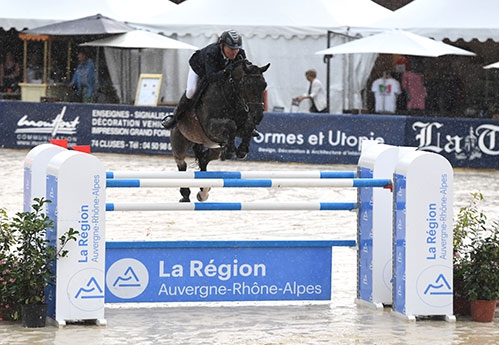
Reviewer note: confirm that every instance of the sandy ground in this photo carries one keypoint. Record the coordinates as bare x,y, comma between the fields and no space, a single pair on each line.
338,322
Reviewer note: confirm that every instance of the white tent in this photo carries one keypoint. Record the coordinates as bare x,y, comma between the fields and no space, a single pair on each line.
286,33
440,19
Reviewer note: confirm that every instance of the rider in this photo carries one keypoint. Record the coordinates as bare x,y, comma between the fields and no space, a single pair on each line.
213,62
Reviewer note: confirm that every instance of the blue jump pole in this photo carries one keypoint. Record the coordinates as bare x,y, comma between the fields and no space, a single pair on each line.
229,174
233,206
248,183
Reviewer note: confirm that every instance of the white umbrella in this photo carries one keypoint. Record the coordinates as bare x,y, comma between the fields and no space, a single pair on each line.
396,42
138,39
492,65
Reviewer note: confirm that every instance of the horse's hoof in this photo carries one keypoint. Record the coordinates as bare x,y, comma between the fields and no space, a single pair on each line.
226,156
242,157
202,196
184,199
241,154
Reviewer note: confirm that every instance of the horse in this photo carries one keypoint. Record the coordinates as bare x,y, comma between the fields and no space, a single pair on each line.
229,108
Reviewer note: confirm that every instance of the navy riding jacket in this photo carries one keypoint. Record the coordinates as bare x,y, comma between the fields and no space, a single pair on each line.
210,62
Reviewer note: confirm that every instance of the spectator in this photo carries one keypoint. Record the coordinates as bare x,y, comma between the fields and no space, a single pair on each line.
84,78
315,93
413,84
34,71
10,74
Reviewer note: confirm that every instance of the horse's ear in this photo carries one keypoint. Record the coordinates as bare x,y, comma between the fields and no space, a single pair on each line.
265,68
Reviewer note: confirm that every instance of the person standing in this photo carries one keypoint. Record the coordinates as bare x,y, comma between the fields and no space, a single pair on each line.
413,84
84,78
315,93
10,74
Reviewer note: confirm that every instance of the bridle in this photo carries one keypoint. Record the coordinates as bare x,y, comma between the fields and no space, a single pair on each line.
246,105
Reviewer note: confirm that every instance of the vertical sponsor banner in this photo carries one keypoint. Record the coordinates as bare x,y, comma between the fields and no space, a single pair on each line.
423,235
35,172
76,185
218,271
375,225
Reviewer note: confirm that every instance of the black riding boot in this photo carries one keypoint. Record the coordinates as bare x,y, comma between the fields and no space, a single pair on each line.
183,105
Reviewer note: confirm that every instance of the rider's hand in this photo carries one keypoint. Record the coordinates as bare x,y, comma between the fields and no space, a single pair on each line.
228,69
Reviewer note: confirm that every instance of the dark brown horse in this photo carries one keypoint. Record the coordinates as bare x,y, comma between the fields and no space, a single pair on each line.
229,108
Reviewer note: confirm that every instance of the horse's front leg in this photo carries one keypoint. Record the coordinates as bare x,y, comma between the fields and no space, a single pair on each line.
184,191
223,131
245,133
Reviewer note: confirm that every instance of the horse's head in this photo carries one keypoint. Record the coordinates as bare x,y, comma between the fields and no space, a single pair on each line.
252,86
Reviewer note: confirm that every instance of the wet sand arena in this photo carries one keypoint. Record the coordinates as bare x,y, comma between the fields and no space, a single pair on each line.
339,322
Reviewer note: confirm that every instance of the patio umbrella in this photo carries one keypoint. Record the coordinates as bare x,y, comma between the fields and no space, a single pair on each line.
492,65
138,39
91,25
396,42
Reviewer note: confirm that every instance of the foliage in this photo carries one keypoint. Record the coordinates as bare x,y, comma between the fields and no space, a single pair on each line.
27,256
476,245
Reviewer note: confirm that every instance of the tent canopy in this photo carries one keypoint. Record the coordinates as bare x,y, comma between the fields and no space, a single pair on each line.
266,18
440,19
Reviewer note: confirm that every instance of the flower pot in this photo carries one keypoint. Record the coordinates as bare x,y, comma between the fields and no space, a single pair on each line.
483,311
33,315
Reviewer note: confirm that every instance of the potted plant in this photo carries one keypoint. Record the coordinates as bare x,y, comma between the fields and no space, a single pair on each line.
470,219
29,256
478,263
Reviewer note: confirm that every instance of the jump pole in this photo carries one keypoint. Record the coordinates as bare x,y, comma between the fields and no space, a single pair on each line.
229,174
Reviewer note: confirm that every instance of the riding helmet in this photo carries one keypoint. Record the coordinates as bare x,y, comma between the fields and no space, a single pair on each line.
231,39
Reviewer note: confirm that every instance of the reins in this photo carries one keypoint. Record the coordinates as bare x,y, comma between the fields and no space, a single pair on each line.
236,91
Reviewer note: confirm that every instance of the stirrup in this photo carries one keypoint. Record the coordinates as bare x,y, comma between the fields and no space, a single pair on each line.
169,121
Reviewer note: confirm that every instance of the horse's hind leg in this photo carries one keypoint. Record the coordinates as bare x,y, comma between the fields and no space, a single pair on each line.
180,146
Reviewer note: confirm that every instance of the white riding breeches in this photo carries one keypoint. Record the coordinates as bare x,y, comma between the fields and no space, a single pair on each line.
192,83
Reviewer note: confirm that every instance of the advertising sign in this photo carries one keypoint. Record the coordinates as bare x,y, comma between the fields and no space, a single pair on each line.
217,271
286,137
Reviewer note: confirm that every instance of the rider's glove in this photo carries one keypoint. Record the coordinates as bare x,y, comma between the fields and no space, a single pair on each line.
228,69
